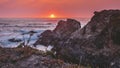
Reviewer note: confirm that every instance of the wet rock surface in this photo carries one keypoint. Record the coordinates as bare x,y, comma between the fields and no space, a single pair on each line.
96,44
14,40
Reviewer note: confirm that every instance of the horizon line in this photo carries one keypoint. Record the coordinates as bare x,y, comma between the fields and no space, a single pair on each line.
40,17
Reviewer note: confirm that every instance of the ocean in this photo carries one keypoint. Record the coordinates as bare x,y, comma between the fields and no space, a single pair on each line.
15,28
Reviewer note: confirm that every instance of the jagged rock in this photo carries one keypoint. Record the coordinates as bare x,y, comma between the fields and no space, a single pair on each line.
65,28
62,32
96,43
98,22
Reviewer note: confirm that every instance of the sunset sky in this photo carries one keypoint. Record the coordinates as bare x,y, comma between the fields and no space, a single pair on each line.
60,8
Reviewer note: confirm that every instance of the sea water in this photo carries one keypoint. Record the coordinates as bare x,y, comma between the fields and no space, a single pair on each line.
15,27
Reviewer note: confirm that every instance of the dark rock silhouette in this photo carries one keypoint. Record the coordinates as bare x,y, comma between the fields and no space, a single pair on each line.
62,32
96,44
14,40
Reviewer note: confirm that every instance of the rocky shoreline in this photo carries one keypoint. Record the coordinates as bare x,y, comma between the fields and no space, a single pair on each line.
96,45
27,57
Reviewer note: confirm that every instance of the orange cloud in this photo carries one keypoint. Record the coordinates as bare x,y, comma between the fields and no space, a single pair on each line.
3,1
61,8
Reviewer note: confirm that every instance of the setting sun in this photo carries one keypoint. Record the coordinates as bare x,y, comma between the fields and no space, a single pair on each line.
52,16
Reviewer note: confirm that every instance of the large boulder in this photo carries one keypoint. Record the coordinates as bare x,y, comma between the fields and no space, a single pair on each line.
96,44
65,28
63,31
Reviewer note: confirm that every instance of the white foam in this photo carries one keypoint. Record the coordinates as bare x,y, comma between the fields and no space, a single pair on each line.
41,47
49,48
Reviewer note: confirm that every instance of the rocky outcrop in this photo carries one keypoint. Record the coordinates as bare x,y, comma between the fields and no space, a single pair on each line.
62,32
28,57
14,40
97,44
65,28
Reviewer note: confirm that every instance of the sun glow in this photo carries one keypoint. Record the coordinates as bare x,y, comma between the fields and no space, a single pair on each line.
52,16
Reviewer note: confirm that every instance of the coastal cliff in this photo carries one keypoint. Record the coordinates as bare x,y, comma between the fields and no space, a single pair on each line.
96,44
